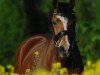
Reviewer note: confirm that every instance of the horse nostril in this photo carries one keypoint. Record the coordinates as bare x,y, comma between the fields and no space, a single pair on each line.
62,49
62,52
54,23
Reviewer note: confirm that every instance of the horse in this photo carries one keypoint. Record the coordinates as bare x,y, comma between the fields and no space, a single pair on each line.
40,51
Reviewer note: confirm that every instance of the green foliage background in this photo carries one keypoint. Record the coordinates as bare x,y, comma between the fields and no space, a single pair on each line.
12,26
13,29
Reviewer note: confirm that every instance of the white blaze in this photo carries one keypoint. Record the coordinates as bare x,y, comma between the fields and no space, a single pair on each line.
64,20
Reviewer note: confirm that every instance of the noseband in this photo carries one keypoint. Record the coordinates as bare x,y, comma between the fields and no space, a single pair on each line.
60,49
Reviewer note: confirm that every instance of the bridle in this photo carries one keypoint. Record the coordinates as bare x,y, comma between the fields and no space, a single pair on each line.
60,49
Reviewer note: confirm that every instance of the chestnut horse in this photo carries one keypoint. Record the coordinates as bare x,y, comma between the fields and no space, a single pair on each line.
40,51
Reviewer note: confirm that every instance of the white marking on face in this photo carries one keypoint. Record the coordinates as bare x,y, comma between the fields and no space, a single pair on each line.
64,21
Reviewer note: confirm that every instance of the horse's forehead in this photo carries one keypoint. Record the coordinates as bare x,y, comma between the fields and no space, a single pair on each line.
62,18
64,21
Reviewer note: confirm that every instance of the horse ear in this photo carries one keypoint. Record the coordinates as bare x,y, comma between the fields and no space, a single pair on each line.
72,3
55,6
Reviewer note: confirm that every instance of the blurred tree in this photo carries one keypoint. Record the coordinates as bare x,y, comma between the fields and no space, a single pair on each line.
12,26
88,28
37,16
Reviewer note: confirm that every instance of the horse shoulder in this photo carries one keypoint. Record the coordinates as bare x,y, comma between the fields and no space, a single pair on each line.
27,47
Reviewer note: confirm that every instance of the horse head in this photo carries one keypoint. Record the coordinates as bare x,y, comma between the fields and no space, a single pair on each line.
64,23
